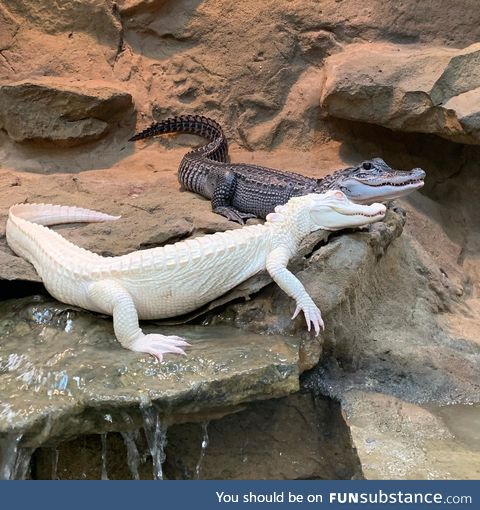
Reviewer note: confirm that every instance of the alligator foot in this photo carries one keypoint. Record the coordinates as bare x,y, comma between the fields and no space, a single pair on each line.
157,345
233,214
312,316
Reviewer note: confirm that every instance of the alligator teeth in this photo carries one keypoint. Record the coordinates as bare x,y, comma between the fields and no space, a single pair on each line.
364,214
396,185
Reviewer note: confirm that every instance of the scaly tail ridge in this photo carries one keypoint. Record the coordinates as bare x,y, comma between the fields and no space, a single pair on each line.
48,214
193,124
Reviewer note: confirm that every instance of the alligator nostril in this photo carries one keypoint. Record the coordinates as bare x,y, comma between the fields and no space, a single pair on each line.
367,166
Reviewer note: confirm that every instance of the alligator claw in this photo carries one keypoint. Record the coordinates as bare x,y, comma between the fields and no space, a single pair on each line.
313,316
157,345
233,214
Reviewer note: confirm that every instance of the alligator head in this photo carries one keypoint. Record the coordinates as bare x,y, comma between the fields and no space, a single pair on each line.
374,180
327,211
333,211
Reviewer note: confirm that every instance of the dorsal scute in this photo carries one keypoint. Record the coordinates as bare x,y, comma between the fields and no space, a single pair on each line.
206,246
194,249
171,259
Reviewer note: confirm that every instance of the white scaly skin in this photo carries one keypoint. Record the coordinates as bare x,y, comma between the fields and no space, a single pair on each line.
178,278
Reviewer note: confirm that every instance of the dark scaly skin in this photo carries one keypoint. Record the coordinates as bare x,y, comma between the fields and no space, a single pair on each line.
216,149
240,191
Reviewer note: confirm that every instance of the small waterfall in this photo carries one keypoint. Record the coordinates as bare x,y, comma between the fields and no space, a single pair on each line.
8,456
133,457
22,465
14,460
156,435
203,450
104,457
55,463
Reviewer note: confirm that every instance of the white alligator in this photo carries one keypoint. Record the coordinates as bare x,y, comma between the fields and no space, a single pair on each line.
177,278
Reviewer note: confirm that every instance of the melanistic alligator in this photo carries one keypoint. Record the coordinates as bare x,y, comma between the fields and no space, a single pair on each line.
240,191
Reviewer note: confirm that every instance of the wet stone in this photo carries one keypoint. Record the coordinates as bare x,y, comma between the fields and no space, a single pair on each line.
295,437
62,372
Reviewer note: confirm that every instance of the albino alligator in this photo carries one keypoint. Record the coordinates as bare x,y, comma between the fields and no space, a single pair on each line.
241,191
178,278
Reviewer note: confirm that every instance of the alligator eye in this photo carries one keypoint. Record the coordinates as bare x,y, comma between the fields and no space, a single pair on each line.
367,165
339,195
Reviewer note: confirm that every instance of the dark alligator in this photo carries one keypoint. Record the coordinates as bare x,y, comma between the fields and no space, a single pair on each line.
240,191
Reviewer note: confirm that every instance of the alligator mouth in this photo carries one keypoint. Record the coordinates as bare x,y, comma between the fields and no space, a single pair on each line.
395,184
373,215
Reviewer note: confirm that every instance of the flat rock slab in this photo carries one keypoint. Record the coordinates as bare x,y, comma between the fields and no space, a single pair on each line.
62,371
422,90
398,440
61,111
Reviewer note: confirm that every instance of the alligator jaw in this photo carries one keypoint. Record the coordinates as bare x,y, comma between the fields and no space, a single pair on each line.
382,193
373,215
363,193
414,182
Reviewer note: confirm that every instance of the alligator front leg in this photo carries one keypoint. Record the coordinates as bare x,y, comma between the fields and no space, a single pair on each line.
277,261
110,296
222,199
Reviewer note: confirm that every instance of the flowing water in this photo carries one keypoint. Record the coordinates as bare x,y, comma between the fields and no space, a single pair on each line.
57,362
104,475
55,463
14,460
156,434
203,449
8,456
133,456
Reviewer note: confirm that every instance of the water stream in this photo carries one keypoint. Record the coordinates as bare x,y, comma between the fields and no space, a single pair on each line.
55,463
14,460
22,465
156,434
203,449
104,475
8,456
53,359
133,456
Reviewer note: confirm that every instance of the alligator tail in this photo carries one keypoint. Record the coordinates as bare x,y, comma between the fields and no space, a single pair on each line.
192,124
216,149
48,214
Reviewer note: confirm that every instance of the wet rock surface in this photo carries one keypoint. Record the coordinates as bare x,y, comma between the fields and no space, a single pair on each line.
62,370
238,444
233,447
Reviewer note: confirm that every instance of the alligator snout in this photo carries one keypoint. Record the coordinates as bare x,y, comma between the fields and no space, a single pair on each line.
419,173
